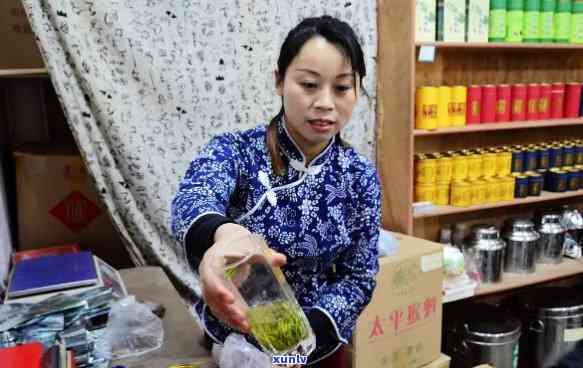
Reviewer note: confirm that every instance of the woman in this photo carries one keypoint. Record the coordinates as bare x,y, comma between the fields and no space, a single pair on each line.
313,198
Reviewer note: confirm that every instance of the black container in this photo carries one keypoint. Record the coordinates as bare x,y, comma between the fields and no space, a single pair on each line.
517,161
552,319
482,334
521,186
569,155
579,154
557,181
544,158
535,184
573,179
531,159
556,156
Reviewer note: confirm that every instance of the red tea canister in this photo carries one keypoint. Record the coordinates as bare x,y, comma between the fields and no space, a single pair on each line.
518,112
532,100
572,99
544,102
488,104
557,100
504,95
474,105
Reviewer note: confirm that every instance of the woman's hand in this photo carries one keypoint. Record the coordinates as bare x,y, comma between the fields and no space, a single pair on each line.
232,242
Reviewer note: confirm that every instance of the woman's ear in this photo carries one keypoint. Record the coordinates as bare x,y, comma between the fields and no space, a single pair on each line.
278,83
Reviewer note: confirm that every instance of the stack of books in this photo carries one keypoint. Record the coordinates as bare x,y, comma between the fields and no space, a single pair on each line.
36,279
60,302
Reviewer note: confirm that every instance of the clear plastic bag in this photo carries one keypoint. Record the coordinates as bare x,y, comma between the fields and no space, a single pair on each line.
132,330
277,321
238,353
472,264
387,243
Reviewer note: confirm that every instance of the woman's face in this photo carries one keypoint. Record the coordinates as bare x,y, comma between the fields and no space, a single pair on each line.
318,95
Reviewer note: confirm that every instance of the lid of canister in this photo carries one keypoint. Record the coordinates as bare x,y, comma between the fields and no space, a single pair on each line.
548,5
564,6
517,229
578,6
532,5
555,302
515,5
498,4
490,324
484,237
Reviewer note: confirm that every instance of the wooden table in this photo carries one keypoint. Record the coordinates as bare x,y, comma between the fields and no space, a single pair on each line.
182,335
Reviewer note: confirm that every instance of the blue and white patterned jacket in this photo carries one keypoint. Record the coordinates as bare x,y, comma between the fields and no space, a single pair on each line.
322,215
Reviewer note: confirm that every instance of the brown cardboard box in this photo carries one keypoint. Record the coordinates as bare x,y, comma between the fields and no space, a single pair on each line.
442,362
57,204
19,49
401,327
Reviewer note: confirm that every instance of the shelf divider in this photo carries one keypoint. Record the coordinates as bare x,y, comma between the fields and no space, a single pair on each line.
474,128
502,45
450,210
33,72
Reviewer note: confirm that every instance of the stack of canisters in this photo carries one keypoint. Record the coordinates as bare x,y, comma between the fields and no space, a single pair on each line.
553,166
451,20
464,178
481,176
558,21
442,107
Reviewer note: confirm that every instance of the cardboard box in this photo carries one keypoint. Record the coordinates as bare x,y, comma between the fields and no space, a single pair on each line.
442,362
19,48
401,327
57,204
425,16
454,20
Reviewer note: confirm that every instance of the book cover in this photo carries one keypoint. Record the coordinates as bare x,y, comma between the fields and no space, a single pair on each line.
107,276
50,273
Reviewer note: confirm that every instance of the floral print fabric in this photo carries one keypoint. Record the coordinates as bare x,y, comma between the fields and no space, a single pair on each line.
325,214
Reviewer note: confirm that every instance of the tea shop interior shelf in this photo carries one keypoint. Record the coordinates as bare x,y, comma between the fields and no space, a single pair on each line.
501,126
400,73
501,45
544,197
38,72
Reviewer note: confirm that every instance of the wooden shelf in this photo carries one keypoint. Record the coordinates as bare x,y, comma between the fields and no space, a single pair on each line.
568,267
545,196
501,45
544,273
39,72
474,128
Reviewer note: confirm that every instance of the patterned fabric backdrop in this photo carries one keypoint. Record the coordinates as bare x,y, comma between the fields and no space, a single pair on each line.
145,83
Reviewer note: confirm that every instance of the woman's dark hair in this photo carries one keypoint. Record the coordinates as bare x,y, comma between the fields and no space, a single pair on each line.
333,30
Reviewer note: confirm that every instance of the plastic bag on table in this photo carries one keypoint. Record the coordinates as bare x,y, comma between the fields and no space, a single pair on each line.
238,353
132,330
472,264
